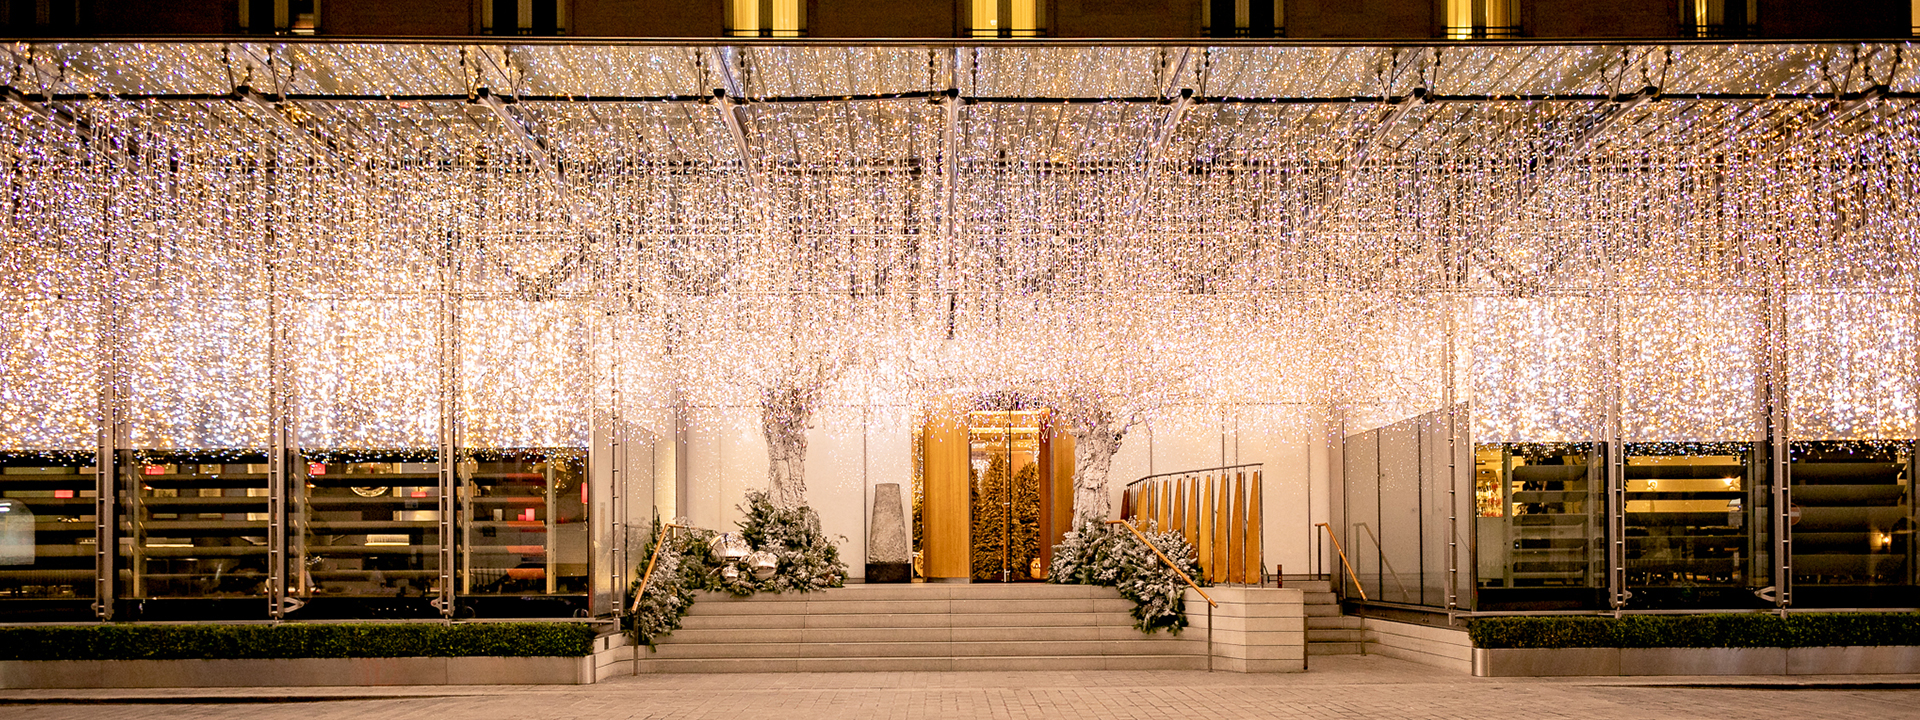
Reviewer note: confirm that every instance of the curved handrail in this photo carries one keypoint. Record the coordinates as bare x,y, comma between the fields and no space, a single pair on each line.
1163,558
1343,560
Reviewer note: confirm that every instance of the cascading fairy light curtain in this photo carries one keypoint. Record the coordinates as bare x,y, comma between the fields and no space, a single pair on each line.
1311,252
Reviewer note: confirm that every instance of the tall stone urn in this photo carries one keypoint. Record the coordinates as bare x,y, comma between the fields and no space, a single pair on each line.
889,554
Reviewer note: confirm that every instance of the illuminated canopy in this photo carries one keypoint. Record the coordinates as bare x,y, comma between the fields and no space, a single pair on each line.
534,233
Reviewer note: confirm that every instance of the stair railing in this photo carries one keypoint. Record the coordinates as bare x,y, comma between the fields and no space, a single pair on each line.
647,577
1183,576
1343,559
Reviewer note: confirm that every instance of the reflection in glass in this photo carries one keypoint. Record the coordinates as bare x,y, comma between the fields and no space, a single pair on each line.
524,523
1694,525
369,531
1852,523
198,525
1004,468
46,526
1542,525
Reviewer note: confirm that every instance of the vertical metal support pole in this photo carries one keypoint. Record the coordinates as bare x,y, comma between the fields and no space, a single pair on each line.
1209,637
449,357
111,424
1448,400
1778,460
617,449
1610,433
279,449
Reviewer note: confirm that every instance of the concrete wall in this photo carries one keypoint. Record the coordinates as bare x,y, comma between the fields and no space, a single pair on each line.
1437,646
1254,629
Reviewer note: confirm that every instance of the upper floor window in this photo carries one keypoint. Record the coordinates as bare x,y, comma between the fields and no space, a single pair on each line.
280,17
523,17
1472,19
1719,18
766,18
37,17
1007,18
1246,18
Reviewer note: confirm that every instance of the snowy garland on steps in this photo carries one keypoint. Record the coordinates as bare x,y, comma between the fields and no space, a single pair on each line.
689,561
1095,553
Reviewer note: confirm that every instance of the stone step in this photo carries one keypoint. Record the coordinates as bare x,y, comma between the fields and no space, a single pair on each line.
1314,611
730,606
906,620
1341,635
1319,598
931,664
669,650
1334,622
1334,648
906,634
1309,586
930,591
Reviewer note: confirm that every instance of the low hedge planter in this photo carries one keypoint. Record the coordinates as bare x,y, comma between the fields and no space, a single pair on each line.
299,654
1718,644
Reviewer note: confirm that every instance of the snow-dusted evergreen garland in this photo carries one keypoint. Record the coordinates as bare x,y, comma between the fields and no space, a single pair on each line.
808,561
668,593
688,561
1095,553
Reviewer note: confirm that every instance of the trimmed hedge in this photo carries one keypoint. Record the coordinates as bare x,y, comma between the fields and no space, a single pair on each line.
1749,630
294,640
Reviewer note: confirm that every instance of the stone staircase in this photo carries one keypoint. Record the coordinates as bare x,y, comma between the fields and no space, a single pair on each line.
1328,631
920,627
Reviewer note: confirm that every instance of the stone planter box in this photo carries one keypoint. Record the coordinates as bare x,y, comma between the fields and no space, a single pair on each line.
613,656
1533,662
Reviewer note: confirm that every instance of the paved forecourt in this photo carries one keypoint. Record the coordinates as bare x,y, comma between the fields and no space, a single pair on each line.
1336,687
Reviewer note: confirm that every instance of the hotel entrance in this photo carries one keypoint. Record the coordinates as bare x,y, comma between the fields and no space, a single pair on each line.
994,493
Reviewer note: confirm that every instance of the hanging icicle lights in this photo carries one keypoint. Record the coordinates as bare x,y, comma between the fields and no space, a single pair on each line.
537,233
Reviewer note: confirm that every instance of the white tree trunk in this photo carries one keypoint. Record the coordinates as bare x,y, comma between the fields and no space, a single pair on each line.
784,415
1095,440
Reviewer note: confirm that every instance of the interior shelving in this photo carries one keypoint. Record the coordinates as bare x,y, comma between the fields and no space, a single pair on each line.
525,531
1541,509
195,525
367,528
1688,517
1854,527
47,529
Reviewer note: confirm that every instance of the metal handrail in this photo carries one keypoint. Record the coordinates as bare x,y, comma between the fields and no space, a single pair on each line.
1183,473
1343,559
651,560
1183,576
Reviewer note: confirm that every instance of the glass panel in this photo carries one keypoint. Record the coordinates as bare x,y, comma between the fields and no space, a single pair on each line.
367,497
1398,535
47,534
1362,509
526,531
1853,524
196,486
198,531
1697,495
524,397
1542,526
369,535
1003,459
1690,516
